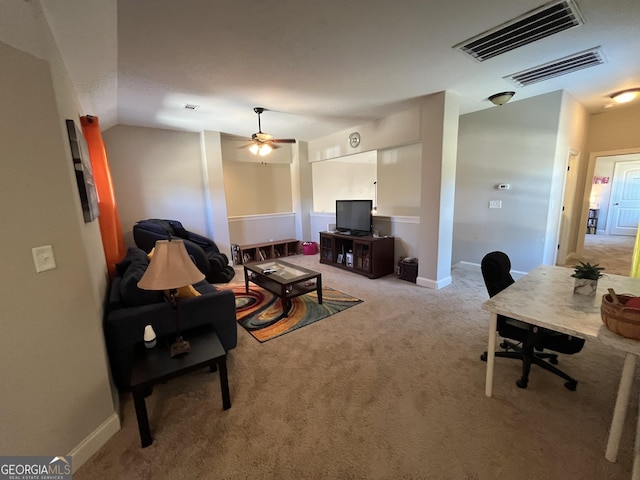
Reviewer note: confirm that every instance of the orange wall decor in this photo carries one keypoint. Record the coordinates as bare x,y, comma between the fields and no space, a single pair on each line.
110,227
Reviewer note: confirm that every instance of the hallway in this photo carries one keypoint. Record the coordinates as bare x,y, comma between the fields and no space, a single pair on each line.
613,252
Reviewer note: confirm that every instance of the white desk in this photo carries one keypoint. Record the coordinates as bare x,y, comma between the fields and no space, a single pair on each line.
544,297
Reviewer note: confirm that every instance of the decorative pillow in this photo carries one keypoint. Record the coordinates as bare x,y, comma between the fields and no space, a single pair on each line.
130,295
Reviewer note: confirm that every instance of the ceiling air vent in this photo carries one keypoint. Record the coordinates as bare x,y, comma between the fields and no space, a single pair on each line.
572,63
551,18
191,106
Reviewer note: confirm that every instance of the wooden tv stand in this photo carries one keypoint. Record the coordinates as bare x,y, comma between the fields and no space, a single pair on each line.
370,256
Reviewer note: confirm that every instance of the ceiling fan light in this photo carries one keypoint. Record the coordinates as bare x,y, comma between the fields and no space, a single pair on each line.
265,150
626,95
501,98
254,148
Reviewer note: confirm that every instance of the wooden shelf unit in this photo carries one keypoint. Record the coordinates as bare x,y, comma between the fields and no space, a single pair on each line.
592,221
259,252
372,257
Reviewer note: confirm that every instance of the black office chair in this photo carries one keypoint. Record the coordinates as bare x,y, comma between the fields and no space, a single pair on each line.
531,339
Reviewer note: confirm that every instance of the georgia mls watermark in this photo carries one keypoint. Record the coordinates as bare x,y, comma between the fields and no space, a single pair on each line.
35,468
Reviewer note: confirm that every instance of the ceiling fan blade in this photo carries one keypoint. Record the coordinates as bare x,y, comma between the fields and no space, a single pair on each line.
283,140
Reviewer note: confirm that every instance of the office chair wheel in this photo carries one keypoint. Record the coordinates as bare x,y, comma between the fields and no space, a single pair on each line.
507,345
522,383
483,357
571,385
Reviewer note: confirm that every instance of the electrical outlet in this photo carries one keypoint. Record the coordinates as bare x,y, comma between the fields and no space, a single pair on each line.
43,258
495,203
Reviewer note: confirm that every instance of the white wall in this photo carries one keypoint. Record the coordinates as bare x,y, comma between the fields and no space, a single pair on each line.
396,170
439,131
614,129
250,229
56,394
255,189
514,144
216,203
399,180
344,178
398,129
157,174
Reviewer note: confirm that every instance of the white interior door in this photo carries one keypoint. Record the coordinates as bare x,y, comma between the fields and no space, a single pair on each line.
624,210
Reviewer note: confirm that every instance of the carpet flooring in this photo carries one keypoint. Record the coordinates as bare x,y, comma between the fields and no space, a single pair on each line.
259,312
614,252
390,389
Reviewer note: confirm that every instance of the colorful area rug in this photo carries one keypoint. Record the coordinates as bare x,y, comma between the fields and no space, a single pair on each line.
260,312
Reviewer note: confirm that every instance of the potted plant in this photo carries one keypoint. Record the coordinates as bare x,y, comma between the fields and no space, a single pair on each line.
586,276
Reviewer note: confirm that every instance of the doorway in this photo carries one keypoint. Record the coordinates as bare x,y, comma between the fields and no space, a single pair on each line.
624,204
600,196
567,207
615,194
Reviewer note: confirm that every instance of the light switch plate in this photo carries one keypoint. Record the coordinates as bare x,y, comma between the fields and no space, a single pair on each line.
43,258
495,203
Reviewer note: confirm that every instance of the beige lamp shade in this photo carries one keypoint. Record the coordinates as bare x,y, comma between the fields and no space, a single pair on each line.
170,267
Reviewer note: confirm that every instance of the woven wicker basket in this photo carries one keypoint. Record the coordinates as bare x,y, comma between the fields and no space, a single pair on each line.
620,319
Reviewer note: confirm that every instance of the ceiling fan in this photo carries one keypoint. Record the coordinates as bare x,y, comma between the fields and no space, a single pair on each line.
262,143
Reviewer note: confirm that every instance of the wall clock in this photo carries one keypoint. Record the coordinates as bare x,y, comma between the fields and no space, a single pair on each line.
354,139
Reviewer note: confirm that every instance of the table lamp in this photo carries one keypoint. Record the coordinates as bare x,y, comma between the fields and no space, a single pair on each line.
171,268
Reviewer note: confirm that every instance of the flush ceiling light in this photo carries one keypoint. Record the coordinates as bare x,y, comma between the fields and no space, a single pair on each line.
626,95
501,98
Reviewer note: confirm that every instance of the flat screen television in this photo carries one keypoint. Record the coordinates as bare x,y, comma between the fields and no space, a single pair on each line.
354,217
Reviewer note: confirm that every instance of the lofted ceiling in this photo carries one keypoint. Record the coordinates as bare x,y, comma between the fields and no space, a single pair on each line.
317,67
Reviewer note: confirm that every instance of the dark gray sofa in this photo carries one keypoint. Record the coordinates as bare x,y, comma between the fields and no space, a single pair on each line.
129,309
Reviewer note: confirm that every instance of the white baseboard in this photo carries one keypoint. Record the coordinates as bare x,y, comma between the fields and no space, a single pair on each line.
468,265
436,285
516,274
94,441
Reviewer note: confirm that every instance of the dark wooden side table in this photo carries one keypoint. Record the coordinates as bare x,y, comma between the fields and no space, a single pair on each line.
155,365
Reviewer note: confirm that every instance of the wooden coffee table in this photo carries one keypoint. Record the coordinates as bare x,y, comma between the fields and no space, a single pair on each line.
283,279
155,365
